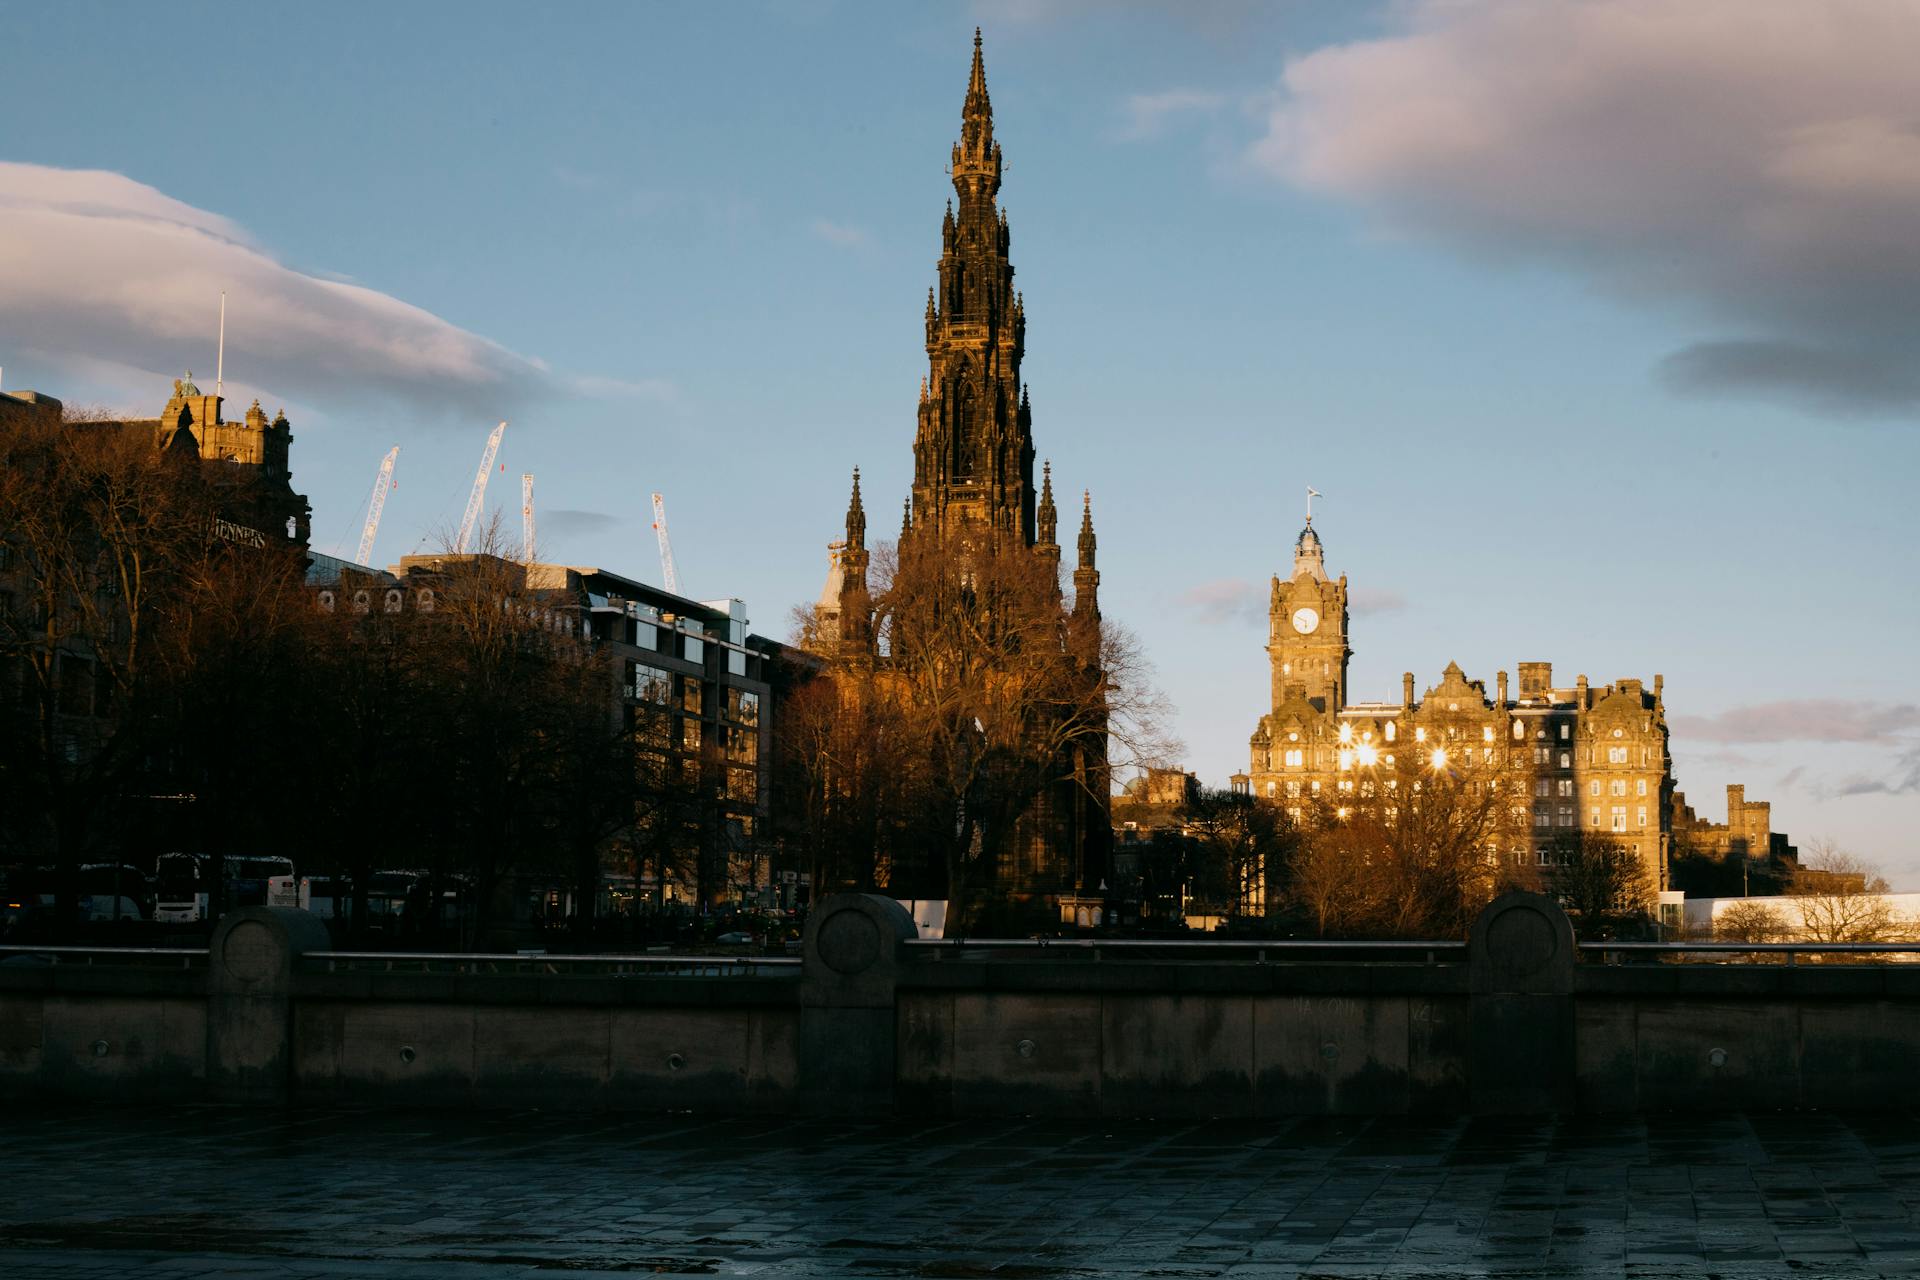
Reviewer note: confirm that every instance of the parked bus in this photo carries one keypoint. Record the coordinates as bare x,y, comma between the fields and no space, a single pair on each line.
185,892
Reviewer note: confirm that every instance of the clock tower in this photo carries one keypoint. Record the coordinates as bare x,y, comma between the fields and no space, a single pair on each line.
1307,628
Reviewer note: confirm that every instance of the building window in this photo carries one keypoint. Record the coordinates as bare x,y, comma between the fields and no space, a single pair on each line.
1293,788
1619,787
1566,815
1540,818
1566,786
1566,760
742,786
1616,755
690,734
1389,731
1316,788
743,746
1641,787
1593,788
1595,814
1346,784
1619,817
1519,730
1295,757
1419,734
1346,758
1643,815
1566,731
743,706
1270,788
1540,786
1541,755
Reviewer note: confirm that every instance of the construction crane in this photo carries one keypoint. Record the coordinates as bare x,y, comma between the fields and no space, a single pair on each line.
479,497
526,515
670,579
375,505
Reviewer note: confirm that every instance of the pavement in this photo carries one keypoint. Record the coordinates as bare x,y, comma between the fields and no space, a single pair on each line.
168,1194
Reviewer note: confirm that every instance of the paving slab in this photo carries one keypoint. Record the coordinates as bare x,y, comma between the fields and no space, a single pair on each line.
185,1192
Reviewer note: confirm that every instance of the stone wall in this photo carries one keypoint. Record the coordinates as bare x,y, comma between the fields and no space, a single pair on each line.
871,1025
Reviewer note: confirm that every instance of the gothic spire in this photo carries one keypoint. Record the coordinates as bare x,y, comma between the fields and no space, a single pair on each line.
856,517
1049,516
906,520
978,106
976,157
1086,579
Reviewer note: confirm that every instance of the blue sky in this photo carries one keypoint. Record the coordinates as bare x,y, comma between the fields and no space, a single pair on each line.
1593,360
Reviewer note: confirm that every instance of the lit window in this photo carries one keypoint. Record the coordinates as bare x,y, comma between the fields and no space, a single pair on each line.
1293,788
1566,815
1316,788
1346,784
1390,731
1270,787
1519,730
1439,757
1486,733
1295,757
1346,733
1540,786
1345,758
1566,731
1367,754
1419,735
1566,760
1541,818
1566,786
1616,755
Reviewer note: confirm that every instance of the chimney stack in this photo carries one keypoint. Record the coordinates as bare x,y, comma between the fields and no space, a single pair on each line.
1503,688
1580,693
1406,690
1658,682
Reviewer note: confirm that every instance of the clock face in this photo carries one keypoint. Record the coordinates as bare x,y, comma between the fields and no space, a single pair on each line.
1305,620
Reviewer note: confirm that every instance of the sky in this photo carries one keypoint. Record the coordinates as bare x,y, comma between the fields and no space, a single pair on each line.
1591,319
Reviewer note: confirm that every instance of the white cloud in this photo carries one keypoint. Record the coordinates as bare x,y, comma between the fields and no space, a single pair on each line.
840,233
1148,115
1366,602
1226,600
1754,162
600,387
1803,720
95,267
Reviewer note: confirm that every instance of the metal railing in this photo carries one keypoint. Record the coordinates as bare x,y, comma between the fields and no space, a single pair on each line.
1787,952
102,957
1190,950
542,964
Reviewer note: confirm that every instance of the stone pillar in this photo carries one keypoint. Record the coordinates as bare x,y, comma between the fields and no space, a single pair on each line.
250,1001
850,959
1520,964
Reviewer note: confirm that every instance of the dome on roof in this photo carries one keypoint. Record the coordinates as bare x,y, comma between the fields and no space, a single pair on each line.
1308,540
186,385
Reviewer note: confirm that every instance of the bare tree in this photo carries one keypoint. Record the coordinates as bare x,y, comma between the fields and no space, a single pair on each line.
1241,842
1412,850
97,529
1601,881
1842,898
1751,920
